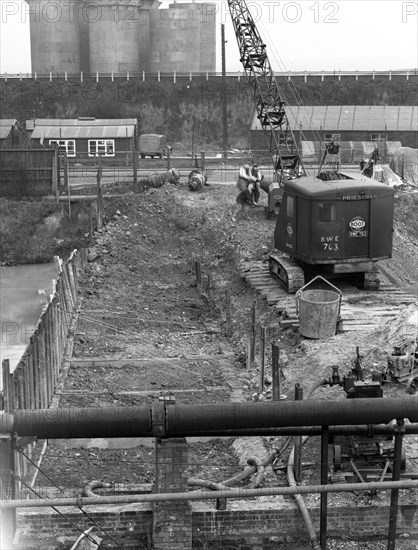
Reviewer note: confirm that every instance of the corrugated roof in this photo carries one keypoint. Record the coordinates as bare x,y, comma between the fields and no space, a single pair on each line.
336,118
84,128
83,132
6,125
85,121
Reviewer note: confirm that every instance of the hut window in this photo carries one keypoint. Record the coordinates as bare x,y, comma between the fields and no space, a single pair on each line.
66,146
101,147
290,206
327,213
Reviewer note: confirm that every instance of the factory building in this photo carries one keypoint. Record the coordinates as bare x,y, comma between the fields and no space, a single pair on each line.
117,37
359,129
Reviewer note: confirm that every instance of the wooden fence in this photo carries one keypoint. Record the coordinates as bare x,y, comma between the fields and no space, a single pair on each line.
28,172
34,380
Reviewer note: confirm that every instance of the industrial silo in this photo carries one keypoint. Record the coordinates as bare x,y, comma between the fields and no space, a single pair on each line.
119,35
55,36
207,25
175,39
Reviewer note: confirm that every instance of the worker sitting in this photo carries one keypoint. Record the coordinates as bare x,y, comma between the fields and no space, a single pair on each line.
248,183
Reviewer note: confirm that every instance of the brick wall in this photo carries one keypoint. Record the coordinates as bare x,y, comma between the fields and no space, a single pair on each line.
43,528
257,525
172,525
286,524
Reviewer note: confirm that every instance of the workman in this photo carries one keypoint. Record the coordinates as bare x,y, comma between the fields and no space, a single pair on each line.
248,184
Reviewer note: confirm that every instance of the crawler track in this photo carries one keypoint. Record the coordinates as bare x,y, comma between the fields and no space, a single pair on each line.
360,309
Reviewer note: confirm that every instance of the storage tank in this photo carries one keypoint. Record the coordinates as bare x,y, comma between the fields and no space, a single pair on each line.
119,35
207,37
175,39
55,36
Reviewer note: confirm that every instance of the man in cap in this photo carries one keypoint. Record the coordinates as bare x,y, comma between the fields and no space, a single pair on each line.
248,184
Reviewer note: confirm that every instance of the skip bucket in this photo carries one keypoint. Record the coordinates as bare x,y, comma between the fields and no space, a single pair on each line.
318,309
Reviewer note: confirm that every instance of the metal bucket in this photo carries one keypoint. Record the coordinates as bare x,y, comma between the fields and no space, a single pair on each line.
318,310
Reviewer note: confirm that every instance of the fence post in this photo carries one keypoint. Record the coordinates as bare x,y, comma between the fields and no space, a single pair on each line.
253,334
55,175
99,195
262,357
135,166
168,158
90,223
67,184
203,161
275,371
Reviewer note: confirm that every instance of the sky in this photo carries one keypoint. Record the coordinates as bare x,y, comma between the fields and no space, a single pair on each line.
309,35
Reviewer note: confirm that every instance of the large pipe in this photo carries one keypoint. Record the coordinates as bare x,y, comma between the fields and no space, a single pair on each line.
191,420
206,495
235,416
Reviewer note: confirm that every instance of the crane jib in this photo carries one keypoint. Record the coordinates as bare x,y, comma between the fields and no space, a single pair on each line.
269,103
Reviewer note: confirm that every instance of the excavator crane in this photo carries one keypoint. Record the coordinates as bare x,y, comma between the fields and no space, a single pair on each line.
334,223
269,103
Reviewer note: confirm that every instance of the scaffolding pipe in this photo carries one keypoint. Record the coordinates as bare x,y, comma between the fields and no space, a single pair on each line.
160,420
207,495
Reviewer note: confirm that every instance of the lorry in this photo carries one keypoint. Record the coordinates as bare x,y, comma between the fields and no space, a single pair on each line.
153,145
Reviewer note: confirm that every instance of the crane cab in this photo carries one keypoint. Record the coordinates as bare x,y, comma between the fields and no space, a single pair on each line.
342,225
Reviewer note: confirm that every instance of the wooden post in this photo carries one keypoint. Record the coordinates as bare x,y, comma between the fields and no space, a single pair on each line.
298,441
228,320
203,161
262,358
48,354
253,334
55,330
135,165
168,157
54,176
99,195
40,333
31,382
7,466
71,283
275,367
91,223
67,185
